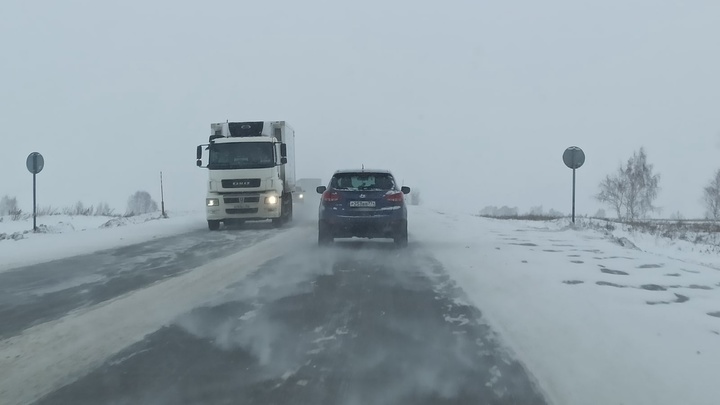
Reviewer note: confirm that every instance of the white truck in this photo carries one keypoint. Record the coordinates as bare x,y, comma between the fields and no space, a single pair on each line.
251,169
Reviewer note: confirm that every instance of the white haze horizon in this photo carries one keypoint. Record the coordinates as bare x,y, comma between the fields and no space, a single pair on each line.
472,103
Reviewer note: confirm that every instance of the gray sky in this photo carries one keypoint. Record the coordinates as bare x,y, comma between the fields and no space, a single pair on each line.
471,101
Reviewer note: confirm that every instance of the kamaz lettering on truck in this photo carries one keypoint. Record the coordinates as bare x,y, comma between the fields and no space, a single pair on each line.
251,172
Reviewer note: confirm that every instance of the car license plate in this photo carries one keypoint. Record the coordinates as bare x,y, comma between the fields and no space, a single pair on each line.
363,204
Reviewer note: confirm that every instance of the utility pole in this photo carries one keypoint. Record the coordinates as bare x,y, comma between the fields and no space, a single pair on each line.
162,197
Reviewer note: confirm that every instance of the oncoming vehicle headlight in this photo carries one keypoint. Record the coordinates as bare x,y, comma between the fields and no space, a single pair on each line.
301,196
271,200
212,202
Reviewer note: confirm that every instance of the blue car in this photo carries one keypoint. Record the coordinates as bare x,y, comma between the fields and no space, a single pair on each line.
363,203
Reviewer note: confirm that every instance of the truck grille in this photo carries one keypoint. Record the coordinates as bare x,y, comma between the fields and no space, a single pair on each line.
237,200
240,183
241,211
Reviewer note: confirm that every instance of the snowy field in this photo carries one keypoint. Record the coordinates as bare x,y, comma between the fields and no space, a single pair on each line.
61,236
593,320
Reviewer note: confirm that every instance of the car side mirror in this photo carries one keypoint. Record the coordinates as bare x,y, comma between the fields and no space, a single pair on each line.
405,190
321,189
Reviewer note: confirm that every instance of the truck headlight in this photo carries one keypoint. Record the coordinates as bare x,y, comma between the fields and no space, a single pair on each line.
272,200
212,202
301,196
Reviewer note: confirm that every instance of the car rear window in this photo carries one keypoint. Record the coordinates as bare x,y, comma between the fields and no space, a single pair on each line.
363,181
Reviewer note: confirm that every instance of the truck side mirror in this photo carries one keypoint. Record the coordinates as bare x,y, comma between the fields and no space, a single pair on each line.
320,189
283,150
405,190
198,154
198,163
283,160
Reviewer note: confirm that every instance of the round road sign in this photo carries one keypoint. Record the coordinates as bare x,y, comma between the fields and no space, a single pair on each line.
35,163
574,157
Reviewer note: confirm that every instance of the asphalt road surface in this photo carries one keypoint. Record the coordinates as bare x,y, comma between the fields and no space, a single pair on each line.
47,291
354,323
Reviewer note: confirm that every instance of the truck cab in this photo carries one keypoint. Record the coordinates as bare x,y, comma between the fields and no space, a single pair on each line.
251,172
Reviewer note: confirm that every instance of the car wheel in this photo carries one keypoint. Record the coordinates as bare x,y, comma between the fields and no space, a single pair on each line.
213,225
401,236
324,235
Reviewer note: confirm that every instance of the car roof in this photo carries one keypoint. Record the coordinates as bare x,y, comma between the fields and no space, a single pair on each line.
363,171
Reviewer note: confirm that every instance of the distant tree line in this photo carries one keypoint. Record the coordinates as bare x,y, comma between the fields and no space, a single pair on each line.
138,203
513,212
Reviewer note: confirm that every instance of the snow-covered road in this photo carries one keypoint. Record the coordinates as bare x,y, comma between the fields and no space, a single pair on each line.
475,310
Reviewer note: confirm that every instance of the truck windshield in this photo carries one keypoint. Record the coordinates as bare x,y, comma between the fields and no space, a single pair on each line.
246,155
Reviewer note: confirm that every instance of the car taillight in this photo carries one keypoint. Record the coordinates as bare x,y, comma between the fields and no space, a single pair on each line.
330,196
395,197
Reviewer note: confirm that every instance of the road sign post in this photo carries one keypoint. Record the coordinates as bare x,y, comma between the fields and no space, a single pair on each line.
573,157
35,163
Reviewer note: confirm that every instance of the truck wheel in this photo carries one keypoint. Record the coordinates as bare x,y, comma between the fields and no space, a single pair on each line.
401,237
277,222
290,213
213,225
324,235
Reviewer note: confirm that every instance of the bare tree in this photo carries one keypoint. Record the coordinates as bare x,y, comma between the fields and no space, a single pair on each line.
554,213
506,211
711,197
103,209
612,192
78,209
488,211
643,186
537,211
8,205
141,203
633,189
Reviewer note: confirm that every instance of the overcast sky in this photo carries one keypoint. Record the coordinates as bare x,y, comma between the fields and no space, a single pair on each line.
472,101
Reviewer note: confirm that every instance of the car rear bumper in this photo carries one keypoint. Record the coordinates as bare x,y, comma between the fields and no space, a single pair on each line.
365,227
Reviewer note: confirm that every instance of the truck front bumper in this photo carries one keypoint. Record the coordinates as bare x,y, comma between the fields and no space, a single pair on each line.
249,207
